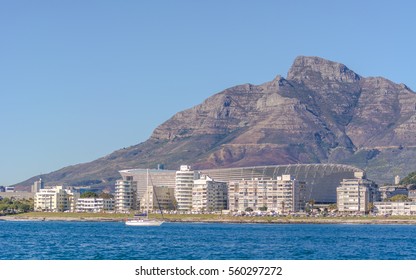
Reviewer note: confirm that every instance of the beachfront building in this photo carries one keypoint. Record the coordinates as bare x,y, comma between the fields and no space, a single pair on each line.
126,196
246,194
209,195
284,194
160,198
184,182
95,204
355,195
55,199
395,208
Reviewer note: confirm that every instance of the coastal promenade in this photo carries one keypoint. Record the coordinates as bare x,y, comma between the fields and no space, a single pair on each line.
212,218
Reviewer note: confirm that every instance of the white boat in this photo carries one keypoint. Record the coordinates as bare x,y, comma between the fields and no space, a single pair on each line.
144,221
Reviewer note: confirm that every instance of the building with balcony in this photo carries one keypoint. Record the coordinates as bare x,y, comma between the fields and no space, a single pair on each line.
284,194
209,195
56,199
126,196
95,205
395,208
184,182
355,195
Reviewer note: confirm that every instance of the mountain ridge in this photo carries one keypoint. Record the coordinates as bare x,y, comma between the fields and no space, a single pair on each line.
322,112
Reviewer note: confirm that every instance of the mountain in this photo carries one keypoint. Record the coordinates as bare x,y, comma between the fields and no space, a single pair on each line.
321,112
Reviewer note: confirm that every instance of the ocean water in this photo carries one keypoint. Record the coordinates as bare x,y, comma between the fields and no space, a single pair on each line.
51,240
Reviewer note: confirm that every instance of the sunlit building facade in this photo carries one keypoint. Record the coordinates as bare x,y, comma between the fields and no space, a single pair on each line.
209,195
284,194
355,195
126,195
184,182
55,199
95,205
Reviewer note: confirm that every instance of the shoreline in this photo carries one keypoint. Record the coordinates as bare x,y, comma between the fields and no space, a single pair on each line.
225,220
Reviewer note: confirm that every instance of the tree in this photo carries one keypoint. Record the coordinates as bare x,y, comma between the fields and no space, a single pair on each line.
249,209
409,179
23,207
263,208
3,207
89,194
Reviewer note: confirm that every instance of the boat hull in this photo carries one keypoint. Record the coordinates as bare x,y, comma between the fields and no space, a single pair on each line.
143,223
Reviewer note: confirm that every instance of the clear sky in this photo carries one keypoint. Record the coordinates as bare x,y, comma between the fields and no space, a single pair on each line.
80,79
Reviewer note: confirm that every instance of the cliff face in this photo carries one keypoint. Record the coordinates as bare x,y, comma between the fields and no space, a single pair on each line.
322,112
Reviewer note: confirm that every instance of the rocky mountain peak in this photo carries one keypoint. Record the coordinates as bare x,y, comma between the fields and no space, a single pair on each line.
307,68
322,113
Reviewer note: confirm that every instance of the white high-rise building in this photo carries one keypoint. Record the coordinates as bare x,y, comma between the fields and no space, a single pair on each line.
209,195
184,182
126,195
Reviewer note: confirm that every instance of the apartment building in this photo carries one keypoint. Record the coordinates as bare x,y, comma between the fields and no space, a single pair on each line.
126,195
184,182
355,195
395,208
209,195
95,205
56,199
284,194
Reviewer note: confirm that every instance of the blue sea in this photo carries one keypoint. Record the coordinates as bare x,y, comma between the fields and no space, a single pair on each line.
53,240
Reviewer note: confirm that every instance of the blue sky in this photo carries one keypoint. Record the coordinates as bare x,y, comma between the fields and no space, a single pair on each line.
80,79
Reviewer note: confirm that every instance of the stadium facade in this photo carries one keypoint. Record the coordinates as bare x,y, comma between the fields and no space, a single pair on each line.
321,180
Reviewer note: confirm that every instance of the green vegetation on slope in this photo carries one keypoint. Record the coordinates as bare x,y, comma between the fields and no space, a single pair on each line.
409,179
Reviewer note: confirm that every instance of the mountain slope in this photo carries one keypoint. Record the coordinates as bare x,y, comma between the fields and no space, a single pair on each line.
322,112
